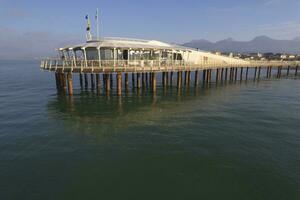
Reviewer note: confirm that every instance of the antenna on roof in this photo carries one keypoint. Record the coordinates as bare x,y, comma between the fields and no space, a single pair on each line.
97,23
88,28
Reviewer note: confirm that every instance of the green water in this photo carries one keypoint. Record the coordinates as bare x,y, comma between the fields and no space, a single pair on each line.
235,141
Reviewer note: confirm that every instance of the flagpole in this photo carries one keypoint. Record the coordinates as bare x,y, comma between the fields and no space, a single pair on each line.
97,21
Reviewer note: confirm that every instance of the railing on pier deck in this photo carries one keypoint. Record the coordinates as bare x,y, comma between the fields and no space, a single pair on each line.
152,65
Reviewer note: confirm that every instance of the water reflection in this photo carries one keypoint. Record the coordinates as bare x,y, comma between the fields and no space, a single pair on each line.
138,107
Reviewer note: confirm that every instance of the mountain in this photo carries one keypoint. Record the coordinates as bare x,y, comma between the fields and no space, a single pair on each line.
262,44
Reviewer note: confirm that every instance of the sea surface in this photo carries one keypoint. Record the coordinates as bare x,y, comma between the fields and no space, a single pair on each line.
232,141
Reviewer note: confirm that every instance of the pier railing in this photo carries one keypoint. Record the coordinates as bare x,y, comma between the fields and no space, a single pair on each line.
151,65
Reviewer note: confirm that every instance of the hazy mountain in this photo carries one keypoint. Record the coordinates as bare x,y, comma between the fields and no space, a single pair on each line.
260,44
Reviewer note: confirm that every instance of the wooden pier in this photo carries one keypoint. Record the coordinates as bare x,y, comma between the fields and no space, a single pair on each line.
144,73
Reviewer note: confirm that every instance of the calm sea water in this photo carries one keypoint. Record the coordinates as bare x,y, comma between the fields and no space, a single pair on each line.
237,141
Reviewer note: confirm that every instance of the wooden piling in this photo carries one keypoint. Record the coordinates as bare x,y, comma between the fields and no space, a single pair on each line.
235,74
107,83
144,80
255,73
86,84
217,75
138,80
70,83
171,78
241,74
153,82
296,71
288,71
126,81
204,76
98,82
133,80
226,74
259,69
80,80
196,78
247,72
179,79
119,83
92,82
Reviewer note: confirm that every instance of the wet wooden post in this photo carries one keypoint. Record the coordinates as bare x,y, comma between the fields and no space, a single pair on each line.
268,68
259,69
57,81
204,77
70,83
196,78
217,75
226,74
119,83
163,78
63,82
222,74
143,80
288,71
188,78
86,84
235,74
278,72
230,74
138,80
107,84
126,81
171,79
80,80
133,80
167,78
296,71
98,82
92,81
255,72
270,72
104,80
185,77
153,82
179,79
111,80
247,71
241,74
146,79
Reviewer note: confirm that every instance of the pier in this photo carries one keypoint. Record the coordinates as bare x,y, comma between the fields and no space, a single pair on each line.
100,65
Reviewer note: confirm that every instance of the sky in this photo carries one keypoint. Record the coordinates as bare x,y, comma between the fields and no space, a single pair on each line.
33,28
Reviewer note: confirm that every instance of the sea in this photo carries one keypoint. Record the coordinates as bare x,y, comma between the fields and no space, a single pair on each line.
222,141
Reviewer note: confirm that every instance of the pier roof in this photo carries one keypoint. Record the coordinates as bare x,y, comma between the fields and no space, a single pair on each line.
126,43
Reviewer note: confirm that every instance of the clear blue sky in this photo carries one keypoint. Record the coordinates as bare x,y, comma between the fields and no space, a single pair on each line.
167,20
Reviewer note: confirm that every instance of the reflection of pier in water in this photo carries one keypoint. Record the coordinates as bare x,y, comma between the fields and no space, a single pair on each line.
119,112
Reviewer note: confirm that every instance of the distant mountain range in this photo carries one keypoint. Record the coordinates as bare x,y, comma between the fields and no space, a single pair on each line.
261,44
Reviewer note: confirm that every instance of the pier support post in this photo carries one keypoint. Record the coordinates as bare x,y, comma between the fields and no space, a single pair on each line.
235,74
259,69
296,71
288,71
111,81
107,84
204,76
171,78
98,82
255,72
92,82
80,80
70,83
188,78
126,81
185,77
138,80
222,74
196,78
226,74
247,71
179,79
119,83
270,72
144,80
57,81
133,80
86,84
153,82
217,76
241,74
